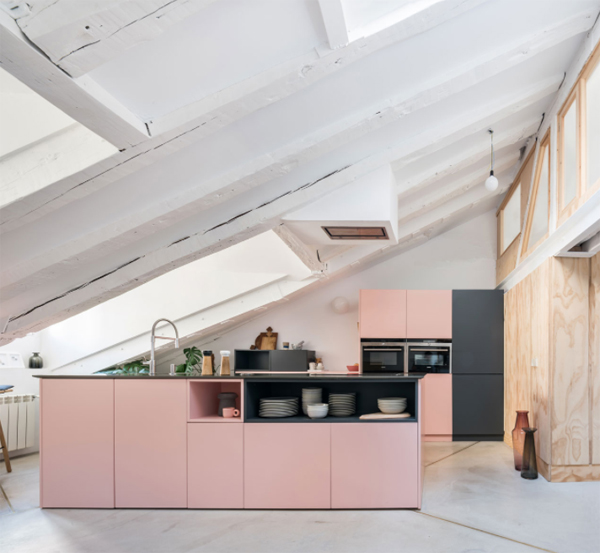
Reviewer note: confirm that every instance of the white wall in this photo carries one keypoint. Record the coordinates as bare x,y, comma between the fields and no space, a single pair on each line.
462,258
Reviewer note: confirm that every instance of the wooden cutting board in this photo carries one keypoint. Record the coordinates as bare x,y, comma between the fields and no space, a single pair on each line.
385,416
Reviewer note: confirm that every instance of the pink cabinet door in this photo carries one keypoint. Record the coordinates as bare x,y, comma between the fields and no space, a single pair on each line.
151,443
215,466
437,406
76,443
287,465
374,465
429,314
382,314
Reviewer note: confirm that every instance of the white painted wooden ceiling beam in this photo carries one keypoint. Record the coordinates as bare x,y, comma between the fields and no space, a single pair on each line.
322,140
284,80
79,36
105,117
441,195
53,263
335,23
408,187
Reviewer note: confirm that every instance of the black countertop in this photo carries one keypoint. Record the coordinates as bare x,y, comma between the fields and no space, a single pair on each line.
291,376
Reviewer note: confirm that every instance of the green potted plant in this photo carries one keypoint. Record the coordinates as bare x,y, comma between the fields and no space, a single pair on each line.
133,367
193,361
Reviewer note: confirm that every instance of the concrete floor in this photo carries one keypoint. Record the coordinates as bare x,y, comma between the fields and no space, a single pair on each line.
474,501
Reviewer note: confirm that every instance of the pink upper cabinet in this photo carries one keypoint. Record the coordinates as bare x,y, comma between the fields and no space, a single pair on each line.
287,465
429,314
151,443
383,313
77,425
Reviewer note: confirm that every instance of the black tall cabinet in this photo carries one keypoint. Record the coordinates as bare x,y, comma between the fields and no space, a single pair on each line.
478,364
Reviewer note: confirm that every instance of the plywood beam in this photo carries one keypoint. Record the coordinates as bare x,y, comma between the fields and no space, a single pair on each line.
100,242
335,22
80,36
26,63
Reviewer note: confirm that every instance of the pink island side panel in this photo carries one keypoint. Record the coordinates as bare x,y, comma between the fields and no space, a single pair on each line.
151,443
375,465
77,424
287,465
215,466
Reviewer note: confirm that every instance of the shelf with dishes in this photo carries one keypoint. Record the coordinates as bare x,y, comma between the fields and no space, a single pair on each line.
335,402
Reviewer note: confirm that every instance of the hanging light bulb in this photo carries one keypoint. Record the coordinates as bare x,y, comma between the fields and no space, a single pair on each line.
491,183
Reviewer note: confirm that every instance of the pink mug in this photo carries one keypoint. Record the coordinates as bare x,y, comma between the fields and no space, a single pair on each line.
229,412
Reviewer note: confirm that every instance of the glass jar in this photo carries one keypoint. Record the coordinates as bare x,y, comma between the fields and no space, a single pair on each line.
207,366
225,364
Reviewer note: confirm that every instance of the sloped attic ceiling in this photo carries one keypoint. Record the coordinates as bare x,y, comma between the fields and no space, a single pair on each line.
229,114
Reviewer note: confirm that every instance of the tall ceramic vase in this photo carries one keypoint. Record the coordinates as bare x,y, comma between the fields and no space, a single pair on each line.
518,438
529,469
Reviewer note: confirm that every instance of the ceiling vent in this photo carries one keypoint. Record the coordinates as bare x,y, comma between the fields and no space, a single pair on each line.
356,233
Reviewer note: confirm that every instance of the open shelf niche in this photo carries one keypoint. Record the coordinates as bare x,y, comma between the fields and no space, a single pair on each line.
367,393
203,400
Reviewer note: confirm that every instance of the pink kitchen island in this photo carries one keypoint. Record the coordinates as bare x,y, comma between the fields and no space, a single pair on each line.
157,442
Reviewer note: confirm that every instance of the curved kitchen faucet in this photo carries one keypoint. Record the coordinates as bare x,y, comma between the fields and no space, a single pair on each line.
153,337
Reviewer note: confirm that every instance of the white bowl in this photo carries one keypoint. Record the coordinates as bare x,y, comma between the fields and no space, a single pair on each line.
392,410
318,410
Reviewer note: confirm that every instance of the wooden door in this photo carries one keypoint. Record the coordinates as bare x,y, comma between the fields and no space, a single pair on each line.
375,465
429,314
76,442
437,407
287,465
215,466
382,314
151,443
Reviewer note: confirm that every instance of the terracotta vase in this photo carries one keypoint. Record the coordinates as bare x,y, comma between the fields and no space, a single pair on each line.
518,438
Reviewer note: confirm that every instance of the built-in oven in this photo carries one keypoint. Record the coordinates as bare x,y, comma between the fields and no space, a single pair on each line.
429,356
383,356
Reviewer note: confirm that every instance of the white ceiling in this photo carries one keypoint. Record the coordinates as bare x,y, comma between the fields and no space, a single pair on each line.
228,114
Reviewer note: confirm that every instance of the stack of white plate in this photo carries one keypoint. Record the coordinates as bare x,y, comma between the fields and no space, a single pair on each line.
309,396
342,405
391,405
278,407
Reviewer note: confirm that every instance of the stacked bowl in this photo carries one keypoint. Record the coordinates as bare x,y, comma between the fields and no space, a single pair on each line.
278,407
310,396
342,405
317,410
391,405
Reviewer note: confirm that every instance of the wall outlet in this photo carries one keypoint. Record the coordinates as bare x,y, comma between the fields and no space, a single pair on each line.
534,362
11,360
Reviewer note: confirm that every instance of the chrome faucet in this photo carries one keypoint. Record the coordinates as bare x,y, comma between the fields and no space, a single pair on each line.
153,337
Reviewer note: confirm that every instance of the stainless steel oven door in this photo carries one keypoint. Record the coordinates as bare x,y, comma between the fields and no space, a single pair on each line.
383,357
430,358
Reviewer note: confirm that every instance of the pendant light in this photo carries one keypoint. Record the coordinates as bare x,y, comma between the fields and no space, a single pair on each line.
491,183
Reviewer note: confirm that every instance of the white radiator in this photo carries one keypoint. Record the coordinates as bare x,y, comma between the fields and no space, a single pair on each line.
18,415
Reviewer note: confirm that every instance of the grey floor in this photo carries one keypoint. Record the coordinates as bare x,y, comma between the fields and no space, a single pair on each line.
474,501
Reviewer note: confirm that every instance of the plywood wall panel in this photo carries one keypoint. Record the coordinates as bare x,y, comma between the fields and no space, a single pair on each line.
570,368
524,344
510,361
594,357
540,374
507,261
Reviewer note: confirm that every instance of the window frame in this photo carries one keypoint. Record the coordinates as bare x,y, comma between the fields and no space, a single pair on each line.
566,210
533,195
591,65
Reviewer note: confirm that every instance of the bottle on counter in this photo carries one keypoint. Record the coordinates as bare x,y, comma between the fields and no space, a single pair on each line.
207,363
225,365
